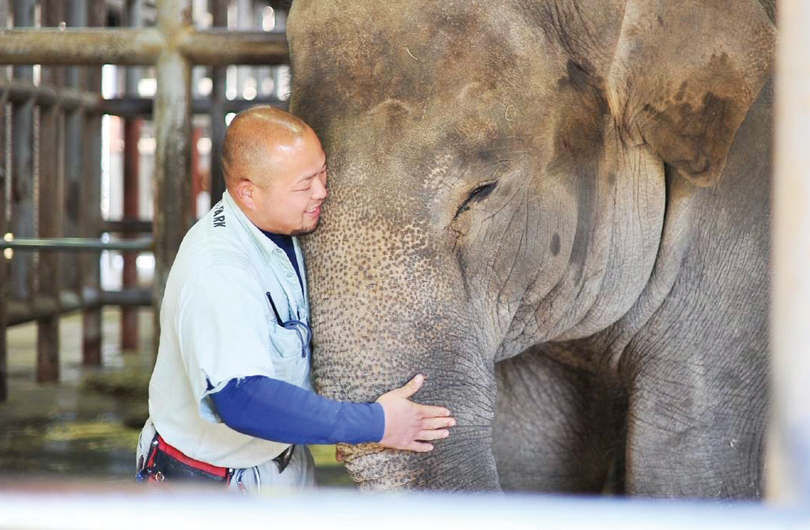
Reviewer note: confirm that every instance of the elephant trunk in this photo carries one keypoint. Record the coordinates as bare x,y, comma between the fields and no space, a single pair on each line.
463,461
360,370
383,313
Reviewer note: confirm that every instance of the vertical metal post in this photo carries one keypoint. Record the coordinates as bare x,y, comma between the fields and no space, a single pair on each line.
219,9
75,17
172,115
132,133
280,73
90,213
196,174
50,211
52,13
3,264
22,167
789,458
244,21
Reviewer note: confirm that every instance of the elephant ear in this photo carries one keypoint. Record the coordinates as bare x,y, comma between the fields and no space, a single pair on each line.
685,73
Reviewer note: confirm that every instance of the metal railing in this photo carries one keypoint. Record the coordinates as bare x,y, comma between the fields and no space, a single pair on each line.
76,244
172,47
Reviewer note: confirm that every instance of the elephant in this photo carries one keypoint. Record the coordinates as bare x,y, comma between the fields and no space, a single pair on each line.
558,211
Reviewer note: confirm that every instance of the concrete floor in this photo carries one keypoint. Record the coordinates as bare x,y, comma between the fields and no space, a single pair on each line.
86,426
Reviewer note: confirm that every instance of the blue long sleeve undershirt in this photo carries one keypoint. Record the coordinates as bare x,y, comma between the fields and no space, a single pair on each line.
271,409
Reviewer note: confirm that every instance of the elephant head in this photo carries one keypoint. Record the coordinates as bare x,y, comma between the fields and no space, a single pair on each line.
498,180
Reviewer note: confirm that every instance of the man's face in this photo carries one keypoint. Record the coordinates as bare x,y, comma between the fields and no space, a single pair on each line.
289,201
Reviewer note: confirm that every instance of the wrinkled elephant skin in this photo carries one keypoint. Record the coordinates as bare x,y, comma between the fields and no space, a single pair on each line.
558,212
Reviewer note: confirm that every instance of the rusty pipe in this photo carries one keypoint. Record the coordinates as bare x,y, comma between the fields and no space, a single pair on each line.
20,91
222,47
138,47
80,46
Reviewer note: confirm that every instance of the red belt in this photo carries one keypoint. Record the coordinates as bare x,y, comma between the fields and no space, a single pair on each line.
166,462
159,445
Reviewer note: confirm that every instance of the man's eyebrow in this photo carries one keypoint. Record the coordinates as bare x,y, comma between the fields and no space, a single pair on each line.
310,177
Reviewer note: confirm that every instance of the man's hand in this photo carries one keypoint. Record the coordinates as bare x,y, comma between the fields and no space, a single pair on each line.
407,424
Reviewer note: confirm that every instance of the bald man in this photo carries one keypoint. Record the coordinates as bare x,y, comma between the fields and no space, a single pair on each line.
230,399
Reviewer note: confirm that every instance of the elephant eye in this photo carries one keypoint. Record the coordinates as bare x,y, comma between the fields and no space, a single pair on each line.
478,194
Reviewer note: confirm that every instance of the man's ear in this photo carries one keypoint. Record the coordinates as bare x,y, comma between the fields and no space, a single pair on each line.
685,73
243,190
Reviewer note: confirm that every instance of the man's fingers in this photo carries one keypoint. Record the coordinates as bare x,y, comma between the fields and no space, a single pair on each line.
438,423
433,434
429,411
411,386
419,447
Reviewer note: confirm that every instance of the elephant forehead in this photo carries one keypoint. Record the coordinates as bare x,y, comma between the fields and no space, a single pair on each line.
366,53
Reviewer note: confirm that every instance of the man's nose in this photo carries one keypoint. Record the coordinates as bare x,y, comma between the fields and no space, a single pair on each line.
319,192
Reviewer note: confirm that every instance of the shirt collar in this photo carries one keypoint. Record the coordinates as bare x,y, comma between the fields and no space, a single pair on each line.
253,232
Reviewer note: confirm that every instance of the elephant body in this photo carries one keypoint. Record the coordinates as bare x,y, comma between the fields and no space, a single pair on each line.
558,211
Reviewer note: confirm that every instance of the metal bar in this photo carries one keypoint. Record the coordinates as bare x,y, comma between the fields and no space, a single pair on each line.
52,15
50,191
22,167
128,298
90,216
197,183
143,107
223,47
132,133
75,16
218,108
123,226
38,309
75,244
50,221
173,213
49,208
41,307
80,46
68,99
140,47
244,22
789,481
4,290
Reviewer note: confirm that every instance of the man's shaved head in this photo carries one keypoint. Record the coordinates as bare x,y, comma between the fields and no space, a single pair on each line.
275,170
253,139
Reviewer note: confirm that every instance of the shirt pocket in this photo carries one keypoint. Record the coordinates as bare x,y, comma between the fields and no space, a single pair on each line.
289,364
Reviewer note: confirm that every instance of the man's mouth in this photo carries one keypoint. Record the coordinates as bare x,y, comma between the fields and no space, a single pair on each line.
314,212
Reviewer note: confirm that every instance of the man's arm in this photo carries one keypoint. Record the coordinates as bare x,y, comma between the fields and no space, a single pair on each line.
275,410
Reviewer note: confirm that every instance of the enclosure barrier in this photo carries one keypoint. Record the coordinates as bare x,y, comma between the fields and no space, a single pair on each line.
41,307
789,470
356,511
173,46
72,99
75,244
